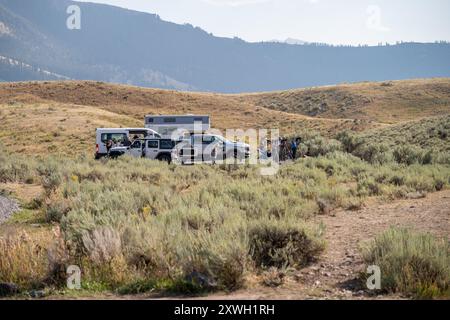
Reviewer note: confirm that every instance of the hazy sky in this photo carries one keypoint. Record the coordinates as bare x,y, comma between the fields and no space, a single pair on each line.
328,21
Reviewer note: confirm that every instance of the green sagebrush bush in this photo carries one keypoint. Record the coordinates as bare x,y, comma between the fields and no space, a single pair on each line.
350,142
283,244
318,146
407,154
414,145
374,153
412,263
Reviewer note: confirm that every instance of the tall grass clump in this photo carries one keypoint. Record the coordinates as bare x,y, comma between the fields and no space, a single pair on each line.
16,168
23,259
416,264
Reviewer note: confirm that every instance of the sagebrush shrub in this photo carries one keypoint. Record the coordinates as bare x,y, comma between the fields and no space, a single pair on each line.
374,153
350,141
319,146
275,244
102,245
407,154
412,263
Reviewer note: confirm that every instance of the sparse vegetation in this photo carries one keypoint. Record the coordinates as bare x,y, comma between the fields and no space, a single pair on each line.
417,142
392,102
122,223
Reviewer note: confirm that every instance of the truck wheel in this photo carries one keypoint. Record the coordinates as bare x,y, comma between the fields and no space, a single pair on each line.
166,158
239,156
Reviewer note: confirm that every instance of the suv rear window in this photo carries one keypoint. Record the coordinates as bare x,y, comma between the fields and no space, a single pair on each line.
152,144
117,137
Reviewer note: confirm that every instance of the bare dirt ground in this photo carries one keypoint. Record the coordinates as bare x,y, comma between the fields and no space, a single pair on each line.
334,276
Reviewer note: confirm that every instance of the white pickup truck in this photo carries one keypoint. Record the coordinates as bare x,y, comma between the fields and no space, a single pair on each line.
155,149
199,148
194,149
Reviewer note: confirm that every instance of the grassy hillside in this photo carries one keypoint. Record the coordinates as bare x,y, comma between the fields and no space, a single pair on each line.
387,102
433,132
62,116
40,128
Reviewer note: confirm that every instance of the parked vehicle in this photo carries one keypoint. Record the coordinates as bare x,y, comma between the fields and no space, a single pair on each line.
168,124
209,148
150,148
107,138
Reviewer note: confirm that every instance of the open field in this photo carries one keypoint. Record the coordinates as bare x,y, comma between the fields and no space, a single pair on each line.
145,229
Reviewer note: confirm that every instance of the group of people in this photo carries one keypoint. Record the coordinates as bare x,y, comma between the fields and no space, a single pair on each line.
288,149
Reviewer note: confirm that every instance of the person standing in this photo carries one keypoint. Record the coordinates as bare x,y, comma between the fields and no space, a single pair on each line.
109,145
294,146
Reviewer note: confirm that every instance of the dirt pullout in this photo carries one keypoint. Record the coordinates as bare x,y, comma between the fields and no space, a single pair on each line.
334,276
7,208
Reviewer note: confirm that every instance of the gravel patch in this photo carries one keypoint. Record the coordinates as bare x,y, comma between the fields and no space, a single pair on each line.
7,208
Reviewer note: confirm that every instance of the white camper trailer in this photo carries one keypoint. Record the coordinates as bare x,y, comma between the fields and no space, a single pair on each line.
174,126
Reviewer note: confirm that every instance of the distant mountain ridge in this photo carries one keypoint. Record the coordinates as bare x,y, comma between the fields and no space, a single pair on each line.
292,41
129,47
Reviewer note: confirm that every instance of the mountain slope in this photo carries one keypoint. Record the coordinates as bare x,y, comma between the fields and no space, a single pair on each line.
146,51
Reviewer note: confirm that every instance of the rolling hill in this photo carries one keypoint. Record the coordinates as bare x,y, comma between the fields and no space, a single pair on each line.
144,50
61,116
388,102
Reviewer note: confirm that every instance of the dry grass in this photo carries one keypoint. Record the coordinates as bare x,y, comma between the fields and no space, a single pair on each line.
62,116
24,256
55,128
412,263
385,102
43,108
23,192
